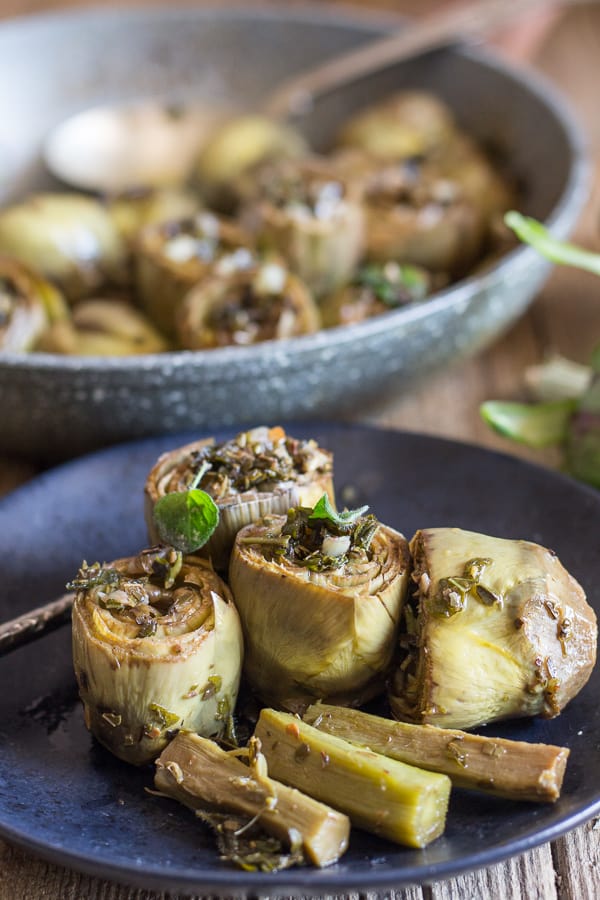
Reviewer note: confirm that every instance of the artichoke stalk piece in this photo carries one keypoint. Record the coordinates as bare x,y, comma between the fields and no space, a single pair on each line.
319,607
157,646
306,212
198,773
171,257
247,306
103,327
497,629
514,769
28,304
69,238
399,802
260,471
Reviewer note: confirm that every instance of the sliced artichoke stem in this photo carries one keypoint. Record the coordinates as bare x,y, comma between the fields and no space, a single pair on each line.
386,797
514,769
201,775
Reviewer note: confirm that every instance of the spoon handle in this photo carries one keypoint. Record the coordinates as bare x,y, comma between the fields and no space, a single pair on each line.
35,624
473,20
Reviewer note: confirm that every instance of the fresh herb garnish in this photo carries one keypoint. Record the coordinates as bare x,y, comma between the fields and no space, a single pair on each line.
532,232
323,511
186,519
394,284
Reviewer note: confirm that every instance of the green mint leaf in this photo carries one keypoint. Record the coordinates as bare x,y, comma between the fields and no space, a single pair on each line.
533,233
324,511
534,424
186,519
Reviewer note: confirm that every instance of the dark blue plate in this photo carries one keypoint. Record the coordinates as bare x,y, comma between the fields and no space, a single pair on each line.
66,798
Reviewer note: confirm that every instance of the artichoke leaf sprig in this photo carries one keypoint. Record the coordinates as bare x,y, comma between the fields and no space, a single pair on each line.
568,415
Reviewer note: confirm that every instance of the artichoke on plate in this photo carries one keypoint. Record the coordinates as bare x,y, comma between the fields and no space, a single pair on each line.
407,124
69,238
496,629
171,257
260,471
28,303
133,210
306,212
319,595
248,306
103,327
157,647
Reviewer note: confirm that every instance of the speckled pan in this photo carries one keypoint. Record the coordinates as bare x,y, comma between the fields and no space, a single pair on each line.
54,407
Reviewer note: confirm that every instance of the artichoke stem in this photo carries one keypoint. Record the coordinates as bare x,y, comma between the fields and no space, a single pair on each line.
514,769
386,797
198,773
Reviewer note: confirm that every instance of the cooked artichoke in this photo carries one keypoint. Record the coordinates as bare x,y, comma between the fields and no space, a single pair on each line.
102,327
28,303
320,604
497,629
407,124
69,238
157,647
171,257
376,289
308,214
264,303
135,210
237,148
260,471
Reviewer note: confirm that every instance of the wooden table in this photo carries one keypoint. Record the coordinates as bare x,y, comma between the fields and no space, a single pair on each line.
565,317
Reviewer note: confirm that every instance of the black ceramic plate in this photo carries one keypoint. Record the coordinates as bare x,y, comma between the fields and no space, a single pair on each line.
66,798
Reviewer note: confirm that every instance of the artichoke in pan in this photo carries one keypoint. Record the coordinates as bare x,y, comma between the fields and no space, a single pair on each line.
319,595
28,303
308,214
496,629
264,303
407,124
376,289
69,238
103,327
133,210
260,471
173,256
236,149
157,647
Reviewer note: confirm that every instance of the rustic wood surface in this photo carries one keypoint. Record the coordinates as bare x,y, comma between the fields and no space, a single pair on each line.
565,317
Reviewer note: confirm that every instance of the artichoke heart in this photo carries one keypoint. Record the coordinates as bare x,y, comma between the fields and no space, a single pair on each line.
171,257
157,647
319,605
496,629
69,238
28,304
239,308
307,212
260,471
133,210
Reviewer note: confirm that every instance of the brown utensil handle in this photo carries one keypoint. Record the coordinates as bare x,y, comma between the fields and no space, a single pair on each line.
35,624
473,20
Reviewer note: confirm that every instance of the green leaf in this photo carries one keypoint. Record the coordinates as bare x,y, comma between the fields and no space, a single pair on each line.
534,424
186,519
533,233
324,511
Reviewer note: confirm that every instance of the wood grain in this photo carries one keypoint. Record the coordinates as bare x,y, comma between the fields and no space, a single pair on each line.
566,317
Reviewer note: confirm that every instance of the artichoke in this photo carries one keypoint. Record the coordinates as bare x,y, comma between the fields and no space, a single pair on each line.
376,289
102,327
258,472
244,307
171,257
407,124
28,303
69,238
496,629
308,214
319,598
236,149
134,210
157,647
